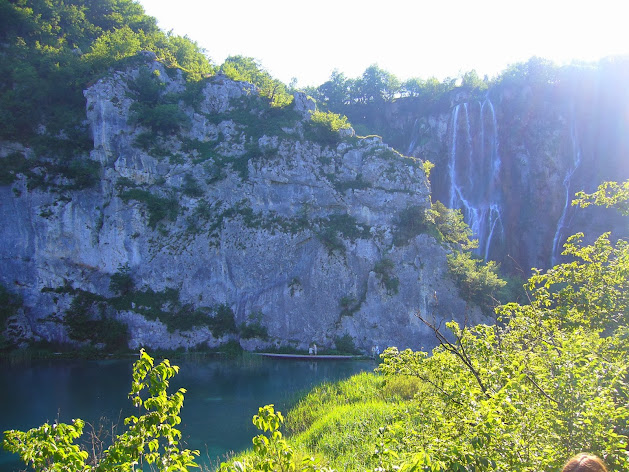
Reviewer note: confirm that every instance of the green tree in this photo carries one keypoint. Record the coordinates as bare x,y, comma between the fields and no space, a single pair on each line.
334,92
548,381
54,49
608,194
472,81
456,233
377,85
478,280
152,438
249,70
122,281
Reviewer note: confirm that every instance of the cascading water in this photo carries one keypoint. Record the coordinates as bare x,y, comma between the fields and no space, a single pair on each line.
562,223
415,136
474,172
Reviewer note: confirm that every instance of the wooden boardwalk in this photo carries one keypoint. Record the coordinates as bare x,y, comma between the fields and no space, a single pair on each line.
309,357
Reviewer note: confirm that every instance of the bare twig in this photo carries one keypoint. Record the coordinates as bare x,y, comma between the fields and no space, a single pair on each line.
458,351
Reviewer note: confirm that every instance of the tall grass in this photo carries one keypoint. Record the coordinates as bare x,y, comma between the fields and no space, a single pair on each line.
359,388
347,434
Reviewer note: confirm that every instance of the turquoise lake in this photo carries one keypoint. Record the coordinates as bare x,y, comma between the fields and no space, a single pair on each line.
222,395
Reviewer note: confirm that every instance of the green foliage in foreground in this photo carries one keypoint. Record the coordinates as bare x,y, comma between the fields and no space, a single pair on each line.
151,439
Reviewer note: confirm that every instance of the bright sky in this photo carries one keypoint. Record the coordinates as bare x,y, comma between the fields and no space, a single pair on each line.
409,38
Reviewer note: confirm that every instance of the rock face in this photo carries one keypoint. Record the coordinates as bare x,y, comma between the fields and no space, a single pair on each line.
237,207
513,157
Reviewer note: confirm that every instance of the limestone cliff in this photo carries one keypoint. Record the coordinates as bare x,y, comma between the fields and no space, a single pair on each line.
217,204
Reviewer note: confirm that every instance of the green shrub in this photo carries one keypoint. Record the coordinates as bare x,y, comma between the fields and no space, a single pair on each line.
325,127
454,231
332,121
478,280
10,303
345,344
13,165
84,173
402,387
410,223
159,208
223,321
340,224
384,270
253,329
122,282
150,438
191,187
87,320
247,69
162,119
349,305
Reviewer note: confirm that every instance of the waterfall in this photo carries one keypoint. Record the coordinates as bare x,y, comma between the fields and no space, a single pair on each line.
474,172
452,161
567,181
414,137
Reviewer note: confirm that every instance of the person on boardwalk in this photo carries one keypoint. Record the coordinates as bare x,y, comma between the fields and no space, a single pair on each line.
314,347
584,463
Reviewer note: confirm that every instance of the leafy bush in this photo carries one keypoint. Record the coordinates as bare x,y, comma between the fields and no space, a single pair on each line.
384,270
479,281
340,225
13,165
451,226
223,321
345,344
87,320
410,222
253,328
332,121
10,303
84,173
121,282
324,128
349,305
191,187
159,208
163,118
151,437
248,70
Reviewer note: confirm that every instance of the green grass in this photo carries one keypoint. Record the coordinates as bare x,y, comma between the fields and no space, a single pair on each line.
358,388
343,422
346,435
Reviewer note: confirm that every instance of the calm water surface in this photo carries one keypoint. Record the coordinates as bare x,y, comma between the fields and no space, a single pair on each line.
222,395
